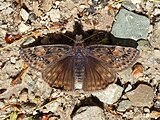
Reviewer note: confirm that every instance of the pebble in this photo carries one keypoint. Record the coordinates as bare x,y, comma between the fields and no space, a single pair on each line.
142,96
51,107
146,110
157,104
13,60
23,96
129,87
157,53
24,14
54,15
156,11
129,5
89,113
130,25
136,1
155,38
28,41
8,11
4,5
23,28
109,95
124,105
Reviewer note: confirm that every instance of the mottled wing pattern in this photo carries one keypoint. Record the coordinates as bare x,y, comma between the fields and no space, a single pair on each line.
40,57
97,74
115,57
60,74
54,61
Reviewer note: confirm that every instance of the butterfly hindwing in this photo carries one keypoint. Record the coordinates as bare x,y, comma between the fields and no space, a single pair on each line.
60,74
97,74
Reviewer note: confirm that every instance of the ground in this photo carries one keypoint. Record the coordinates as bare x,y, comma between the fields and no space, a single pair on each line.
133,23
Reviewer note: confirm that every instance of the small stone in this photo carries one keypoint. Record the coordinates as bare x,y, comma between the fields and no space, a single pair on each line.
24,14
156,11
4,5
109,95
129,87
1,105
146,110
51,107
28,41
154,41
23,28
32,17
129,5
142,96
157,53
8,11
157,104
13,60
23,95
89,113
124,105
136,1
54,15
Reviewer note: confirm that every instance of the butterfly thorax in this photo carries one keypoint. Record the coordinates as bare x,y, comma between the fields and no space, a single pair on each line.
79,65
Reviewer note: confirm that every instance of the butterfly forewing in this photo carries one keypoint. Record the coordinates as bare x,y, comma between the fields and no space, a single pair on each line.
115,57
40,57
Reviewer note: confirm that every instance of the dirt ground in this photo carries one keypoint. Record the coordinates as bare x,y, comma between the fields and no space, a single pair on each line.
24,95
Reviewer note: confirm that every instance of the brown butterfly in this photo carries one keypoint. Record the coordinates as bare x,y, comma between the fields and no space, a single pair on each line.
77,67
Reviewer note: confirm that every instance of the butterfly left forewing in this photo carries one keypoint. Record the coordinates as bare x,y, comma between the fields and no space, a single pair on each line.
116,57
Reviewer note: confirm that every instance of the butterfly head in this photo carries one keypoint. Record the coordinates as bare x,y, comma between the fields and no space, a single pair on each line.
79,39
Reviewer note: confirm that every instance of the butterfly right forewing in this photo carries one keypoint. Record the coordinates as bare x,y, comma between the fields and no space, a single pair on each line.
116,57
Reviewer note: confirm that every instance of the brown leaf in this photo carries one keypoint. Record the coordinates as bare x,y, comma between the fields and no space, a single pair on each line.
137,70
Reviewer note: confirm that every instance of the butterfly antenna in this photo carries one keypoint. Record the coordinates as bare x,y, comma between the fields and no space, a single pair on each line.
92,36
68,37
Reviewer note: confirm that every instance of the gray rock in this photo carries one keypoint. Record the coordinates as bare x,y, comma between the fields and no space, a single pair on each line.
89,113
124,105
109,95
130,25
142,96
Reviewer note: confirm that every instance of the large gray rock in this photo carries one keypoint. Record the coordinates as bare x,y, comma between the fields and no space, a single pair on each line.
109,95
142,96
130,25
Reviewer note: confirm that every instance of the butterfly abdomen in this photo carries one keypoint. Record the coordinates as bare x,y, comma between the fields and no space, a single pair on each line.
79,70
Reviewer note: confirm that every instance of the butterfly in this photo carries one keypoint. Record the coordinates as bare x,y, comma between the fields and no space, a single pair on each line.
88,68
